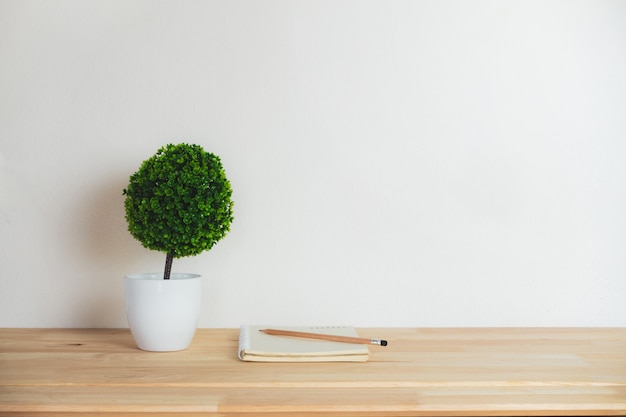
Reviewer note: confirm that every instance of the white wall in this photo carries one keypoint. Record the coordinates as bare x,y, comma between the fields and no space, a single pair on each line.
419,163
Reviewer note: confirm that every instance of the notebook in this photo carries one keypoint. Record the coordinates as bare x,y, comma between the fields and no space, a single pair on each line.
255,346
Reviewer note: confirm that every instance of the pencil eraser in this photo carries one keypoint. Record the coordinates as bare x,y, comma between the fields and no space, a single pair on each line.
383,343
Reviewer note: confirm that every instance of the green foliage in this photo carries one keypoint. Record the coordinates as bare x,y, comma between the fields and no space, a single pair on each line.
179,201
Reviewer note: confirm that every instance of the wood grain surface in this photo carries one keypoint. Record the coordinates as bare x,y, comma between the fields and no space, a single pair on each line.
423,372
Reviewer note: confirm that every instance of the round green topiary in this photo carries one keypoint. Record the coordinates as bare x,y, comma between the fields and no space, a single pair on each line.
179,202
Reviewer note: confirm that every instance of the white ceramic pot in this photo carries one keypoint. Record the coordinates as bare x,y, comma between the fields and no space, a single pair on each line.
163,314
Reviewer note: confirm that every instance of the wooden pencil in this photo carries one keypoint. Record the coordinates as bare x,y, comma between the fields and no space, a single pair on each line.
328,337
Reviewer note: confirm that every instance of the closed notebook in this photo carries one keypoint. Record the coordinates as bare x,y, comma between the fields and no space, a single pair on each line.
255,346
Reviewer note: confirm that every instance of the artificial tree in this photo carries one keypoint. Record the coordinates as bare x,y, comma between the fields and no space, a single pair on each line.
179,202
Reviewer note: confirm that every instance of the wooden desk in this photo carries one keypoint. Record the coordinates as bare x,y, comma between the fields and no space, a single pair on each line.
436,372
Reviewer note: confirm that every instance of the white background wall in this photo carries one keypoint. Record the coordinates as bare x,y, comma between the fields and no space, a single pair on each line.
419,163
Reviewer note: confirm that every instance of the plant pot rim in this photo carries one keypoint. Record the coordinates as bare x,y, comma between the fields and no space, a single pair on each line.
159,276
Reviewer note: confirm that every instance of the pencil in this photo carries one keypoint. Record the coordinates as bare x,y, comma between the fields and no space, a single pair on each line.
328,337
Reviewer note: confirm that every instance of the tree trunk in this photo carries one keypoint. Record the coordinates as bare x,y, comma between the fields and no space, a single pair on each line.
168,266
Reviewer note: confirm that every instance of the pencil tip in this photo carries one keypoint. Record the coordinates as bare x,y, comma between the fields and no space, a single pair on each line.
383,343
